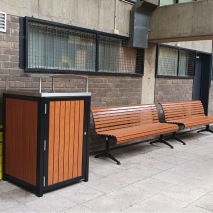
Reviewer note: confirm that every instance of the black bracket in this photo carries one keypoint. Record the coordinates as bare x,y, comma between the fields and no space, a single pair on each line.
175,138
161,140
106,153
206,129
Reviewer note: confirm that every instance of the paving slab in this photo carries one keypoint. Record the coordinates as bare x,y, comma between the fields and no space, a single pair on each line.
149,179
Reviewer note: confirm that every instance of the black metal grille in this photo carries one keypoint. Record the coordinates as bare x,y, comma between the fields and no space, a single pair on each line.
58,48
115,56
52,47
174,61
186,63
167,61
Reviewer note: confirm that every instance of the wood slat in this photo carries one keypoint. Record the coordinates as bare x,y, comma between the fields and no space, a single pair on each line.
61,142
56,142
67,140
72,135
76,140
81,127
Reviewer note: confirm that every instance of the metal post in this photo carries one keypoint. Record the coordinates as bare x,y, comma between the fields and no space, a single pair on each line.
115,18
97,53
87,85
39,85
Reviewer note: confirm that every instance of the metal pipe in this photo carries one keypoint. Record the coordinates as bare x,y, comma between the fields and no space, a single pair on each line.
87,84
115,18
39,85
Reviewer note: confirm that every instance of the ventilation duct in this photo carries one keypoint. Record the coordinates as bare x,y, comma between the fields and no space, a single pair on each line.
139,23
3,18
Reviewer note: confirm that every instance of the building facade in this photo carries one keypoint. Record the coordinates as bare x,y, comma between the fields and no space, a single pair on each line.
118,74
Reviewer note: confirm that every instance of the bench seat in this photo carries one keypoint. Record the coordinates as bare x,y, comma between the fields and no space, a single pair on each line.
129,123
192,122
139,132
190,114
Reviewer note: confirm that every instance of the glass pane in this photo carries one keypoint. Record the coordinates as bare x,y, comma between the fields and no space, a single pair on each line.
108,54
167,2
187,63
185,1
167,61
59,48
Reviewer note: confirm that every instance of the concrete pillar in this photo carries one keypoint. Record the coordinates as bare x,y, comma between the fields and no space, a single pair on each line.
148,80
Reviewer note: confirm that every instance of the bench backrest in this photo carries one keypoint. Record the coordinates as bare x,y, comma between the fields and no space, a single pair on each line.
112,118
180,110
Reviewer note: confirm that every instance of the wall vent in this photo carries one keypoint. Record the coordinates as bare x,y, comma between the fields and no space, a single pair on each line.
3,21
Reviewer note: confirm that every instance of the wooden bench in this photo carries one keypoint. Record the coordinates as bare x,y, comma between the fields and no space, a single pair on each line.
190,114
129,123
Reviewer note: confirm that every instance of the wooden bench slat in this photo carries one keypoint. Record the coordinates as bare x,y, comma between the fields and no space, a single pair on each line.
190,113
129,121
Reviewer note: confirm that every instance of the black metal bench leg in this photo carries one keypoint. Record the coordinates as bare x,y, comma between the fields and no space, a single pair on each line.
161,140
206,129
175,138
106,153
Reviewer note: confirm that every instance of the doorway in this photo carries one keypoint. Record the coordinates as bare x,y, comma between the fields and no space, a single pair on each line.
202,79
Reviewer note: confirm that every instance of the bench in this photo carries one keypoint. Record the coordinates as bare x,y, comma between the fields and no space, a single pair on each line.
129,123
190,114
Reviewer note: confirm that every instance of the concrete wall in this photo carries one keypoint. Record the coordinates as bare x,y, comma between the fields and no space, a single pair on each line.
182,22
92,14
204,46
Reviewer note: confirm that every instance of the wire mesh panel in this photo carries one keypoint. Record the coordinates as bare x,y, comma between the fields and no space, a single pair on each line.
167,61
186,63
115,56
52,47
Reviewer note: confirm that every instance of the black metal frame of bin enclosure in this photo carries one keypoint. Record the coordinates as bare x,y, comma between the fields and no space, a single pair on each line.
43,134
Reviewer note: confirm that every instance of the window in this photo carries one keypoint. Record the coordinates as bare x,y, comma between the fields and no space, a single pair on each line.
173,61
53,47
169,2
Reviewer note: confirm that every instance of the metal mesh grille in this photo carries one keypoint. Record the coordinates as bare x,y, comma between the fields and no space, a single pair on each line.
167,61
53,47
186,63
58,48
115,56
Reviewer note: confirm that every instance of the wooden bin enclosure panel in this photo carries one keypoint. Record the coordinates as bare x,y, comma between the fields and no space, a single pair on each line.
66,122
21,137
45,139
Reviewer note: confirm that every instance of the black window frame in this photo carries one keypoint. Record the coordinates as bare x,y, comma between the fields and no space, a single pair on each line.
132,1
176,2
178,48
23,55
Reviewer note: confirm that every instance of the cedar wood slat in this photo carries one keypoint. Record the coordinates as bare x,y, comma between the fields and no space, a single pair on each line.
66,140
61,141
56,143
190,114
130,123
76,140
